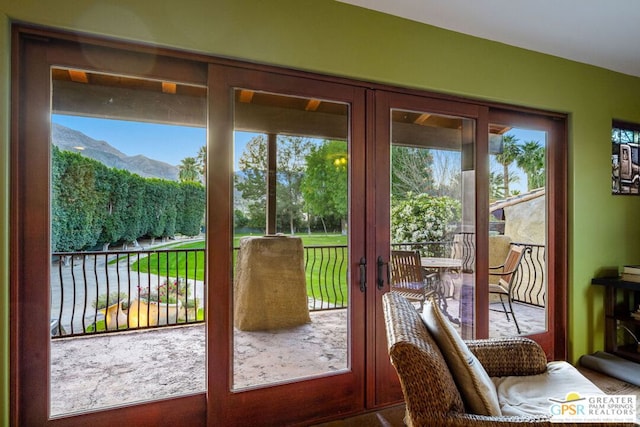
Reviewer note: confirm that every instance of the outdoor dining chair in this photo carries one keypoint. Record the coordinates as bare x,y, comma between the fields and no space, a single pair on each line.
506,274
407,277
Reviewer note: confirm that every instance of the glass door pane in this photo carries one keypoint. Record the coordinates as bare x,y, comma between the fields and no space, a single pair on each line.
290,291
128,206
517,236
432,211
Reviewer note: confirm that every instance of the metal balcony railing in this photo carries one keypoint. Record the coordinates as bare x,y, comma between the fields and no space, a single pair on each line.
103,292
530,281
530,285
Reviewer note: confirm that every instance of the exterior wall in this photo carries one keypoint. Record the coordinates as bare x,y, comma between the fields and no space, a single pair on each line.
334,38
526,221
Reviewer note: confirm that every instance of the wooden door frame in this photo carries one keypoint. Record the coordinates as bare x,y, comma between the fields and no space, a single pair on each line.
34,55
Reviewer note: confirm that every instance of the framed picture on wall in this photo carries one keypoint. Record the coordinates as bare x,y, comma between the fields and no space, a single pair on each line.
625,158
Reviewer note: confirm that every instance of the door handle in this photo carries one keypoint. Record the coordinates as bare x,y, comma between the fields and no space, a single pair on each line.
363,274
380,279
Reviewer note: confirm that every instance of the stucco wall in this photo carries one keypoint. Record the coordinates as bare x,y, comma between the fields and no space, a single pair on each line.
526,221
334,38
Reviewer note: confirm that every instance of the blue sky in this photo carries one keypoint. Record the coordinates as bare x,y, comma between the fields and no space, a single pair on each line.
166,143
171,144
523,135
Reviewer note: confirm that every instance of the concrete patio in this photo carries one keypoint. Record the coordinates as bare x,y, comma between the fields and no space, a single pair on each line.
97,372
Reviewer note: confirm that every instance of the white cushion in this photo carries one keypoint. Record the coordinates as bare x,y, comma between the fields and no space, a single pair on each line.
477,390
529,395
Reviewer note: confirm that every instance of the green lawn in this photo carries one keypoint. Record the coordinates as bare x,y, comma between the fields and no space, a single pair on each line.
174,264
326,270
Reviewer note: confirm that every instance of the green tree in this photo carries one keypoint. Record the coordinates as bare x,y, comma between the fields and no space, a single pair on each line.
201,161
77,214
192,208
161,199
324,186
189,170
114,185
447,174
135,217
510,152
496,186
251,182
93,204
290,165
411,171
240,220
532,161
291,154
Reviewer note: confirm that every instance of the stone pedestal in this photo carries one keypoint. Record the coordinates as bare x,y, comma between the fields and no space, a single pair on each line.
270,289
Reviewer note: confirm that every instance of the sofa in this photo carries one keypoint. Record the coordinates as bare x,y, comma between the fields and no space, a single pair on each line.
493,382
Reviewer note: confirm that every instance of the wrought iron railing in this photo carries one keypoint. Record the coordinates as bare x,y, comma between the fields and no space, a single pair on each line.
427,249
529,283
102,292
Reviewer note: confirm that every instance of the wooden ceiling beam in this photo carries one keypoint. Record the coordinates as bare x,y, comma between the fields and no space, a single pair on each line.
78,76
168,87
116,103
312,105
422,119
246,96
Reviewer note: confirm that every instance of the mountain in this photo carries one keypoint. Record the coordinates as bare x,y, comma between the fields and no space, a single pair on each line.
69,139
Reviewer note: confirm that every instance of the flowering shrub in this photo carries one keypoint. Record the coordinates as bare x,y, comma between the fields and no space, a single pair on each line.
423,218
168,292
103,300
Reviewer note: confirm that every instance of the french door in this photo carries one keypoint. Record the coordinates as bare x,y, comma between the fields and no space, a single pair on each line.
462,184
417,209
280,357
308,185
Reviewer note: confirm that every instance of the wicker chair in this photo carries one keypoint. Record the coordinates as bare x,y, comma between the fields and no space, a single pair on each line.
431,396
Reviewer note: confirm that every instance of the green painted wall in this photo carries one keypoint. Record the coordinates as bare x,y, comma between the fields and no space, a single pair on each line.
334,38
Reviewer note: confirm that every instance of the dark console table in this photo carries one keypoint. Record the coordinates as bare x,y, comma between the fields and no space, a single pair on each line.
621,329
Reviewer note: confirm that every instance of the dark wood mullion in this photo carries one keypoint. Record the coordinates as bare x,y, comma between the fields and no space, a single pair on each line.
481,322
30,237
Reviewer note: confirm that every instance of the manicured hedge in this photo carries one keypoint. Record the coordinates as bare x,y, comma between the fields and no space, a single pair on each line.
93,205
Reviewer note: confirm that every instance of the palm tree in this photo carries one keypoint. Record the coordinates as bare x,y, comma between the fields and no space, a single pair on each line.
496,186
532,161
188,170
510,152
201,159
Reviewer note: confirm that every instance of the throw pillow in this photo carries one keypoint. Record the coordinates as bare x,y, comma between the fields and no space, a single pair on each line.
475,385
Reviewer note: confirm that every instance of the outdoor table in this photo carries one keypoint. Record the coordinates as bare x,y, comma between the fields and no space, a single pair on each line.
442,265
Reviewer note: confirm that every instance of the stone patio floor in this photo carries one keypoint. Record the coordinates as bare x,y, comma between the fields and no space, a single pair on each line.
97,372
